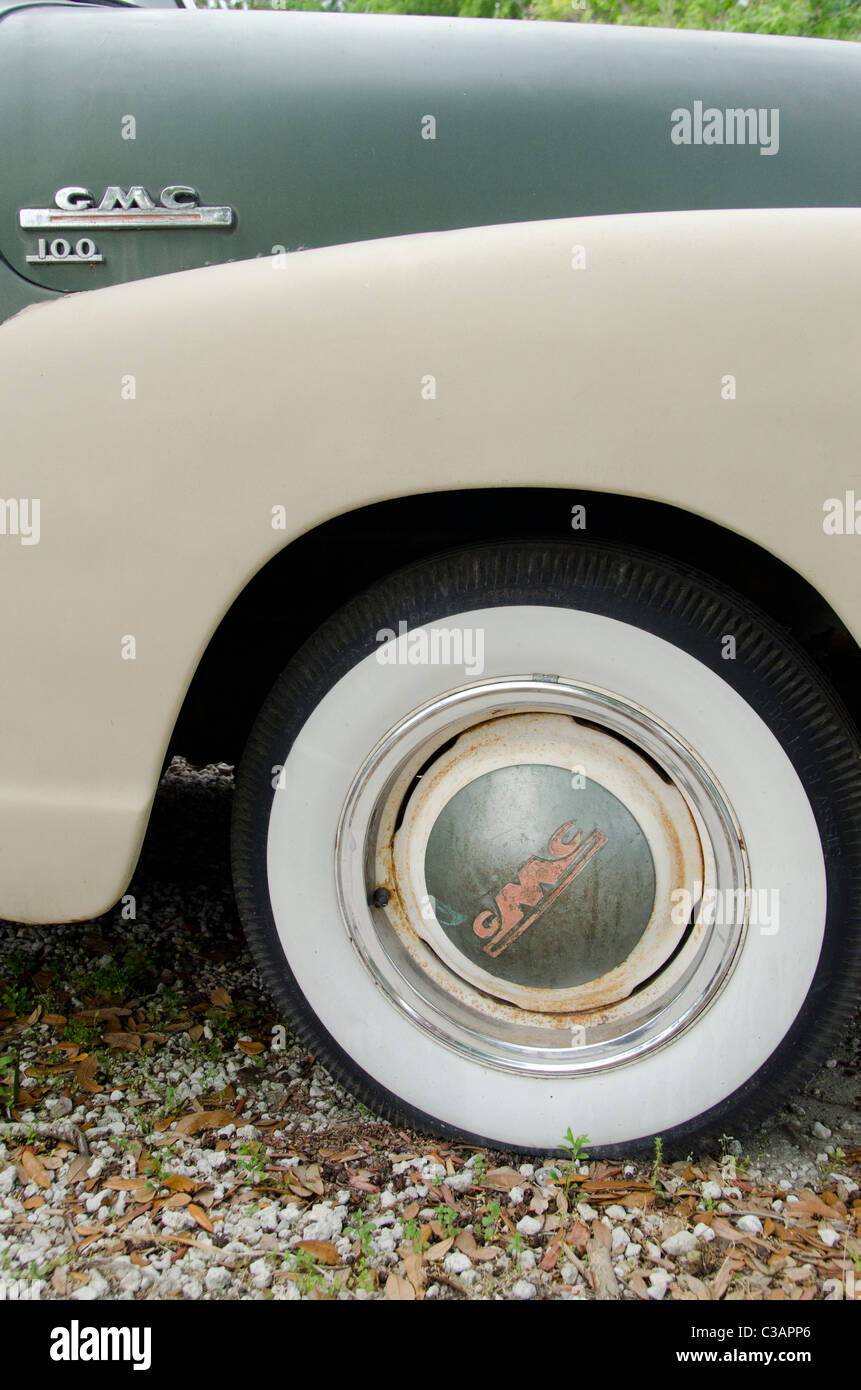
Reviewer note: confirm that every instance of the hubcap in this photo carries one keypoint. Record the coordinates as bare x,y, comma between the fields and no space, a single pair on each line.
512,865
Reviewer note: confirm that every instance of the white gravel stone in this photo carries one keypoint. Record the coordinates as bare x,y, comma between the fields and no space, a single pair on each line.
261,1273
659,1282
515,1196
620,1238
529,1225
268,1217
526,1259
751,1224
8,1179
616,1213
632,1250
217,1278
324,1222
828,1235
523,1289
682,1243
456,1262
712,1191
388,1199
177,1220
96,1200
96,1288
586,1213
703,1232
459,1182
820,1130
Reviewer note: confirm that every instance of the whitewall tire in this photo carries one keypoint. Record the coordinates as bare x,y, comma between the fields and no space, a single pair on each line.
580,862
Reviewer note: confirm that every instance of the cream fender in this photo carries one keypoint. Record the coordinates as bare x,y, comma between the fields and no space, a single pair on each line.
153,430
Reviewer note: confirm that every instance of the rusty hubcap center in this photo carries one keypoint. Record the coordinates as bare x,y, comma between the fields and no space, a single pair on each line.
537,857
540,876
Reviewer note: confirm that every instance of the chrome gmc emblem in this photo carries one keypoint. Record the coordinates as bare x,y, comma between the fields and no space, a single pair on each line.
76,208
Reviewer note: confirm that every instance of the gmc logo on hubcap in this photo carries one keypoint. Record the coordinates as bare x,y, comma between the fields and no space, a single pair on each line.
537,885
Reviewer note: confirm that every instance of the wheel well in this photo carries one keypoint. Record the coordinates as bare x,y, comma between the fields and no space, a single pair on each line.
313,575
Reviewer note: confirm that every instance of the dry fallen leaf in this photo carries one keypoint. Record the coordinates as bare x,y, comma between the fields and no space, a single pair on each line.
577,1236
503,1179
196,1213
721,1282
441,1248
398,1289
551,1257
34,1168
466,1241
123,1042
203,1119
322,1252
177,1182
251,1049
361,1184
78,1167
85,1073
414,1271
725,1231
124,1184
220,998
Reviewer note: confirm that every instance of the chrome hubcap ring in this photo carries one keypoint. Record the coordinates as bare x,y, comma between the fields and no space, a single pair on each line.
514,861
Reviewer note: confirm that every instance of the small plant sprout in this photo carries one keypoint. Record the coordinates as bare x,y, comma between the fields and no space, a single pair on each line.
658,1159
479,1169
574,1146
490,1220
447,1220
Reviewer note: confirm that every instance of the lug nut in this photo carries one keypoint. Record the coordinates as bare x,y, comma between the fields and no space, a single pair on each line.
380,897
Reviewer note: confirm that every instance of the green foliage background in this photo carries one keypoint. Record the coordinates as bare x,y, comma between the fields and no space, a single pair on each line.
829,19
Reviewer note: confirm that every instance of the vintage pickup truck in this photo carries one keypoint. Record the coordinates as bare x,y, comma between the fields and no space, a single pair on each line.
454,423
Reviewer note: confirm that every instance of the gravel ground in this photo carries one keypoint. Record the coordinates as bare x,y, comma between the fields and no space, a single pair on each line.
169,1141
